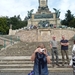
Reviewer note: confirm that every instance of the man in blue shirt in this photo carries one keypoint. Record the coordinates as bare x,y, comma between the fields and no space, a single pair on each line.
64,50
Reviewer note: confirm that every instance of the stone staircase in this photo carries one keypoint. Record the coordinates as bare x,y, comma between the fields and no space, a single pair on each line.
24,64
16,58
27,48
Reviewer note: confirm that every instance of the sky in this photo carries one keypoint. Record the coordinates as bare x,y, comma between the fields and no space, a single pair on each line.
20,7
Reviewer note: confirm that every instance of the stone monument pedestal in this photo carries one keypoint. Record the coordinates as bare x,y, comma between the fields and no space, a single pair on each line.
43,16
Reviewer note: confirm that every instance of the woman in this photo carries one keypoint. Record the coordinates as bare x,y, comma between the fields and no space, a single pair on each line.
40,58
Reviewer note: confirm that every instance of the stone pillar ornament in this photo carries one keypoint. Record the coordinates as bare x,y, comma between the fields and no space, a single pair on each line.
42,3
10,26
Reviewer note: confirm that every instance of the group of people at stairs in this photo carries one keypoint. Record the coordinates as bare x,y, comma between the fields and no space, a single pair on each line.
41,57
64,50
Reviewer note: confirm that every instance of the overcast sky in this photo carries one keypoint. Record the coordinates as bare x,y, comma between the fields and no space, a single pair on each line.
20,7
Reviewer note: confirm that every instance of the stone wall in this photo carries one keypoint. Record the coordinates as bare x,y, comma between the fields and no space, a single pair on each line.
44,35
12,32
28,35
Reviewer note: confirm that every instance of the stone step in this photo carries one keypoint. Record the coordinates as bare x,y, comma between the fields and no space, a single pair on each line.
22,57
28,66
16,62
16,66
20,65
15,58
30,69
19,60
24,64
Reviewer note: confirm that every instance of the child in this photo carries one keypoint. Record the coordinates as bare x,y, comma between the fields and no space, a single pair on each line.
72,62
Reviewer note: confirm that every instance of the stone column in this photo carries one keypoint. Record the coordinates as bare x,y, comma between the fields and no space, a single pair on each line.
10,30
10,26
42,3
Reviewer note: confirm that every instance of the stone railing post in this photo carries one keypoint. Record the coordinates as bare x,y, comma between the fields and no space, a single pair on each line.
4,43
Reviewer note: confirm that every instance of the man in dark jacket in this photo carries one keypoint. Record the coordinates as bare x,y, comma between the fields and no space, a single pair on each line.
64,50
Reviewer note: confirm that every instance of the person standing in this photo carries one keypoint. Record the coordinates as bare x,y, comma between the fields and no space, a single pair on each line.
54,50
64,50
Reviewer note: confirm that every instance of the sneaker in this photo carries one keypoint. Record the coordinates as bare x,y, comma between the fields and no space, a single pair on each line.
62,64
57,64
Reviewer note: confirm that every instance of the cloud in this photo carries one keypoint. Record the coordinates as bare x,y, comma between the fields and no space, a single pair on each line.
16,7
20,7
66,5
63,5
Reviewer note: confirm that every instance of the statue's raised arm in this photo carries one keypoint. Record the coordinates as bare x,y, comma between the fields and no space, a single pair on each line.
57,12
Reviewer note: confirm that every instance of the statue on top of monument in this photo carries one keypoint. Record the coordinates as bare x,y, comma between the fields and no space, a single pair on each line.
43,4
57,12
29,14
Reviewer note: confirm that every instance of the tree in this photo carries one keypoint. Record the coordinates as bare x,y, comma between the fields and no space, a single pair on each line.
68,17
3,25
18,17
64,22
15,21
72,23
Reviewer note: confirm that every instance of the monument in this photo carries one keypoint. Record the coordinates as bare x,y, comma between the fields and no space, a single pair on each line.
43,17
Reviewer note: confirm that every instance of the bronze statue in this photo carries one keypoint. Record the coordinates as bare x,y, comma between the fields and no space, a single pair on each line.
29,14
57,12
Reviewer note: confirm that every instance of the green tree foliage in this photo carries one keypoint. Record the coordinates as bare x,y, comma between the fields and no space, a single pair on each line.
15,21
69,18
3,25
72,23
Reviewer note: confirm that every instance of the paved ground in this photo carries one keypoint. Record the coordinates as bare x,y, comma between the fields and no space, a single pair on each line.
67,73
